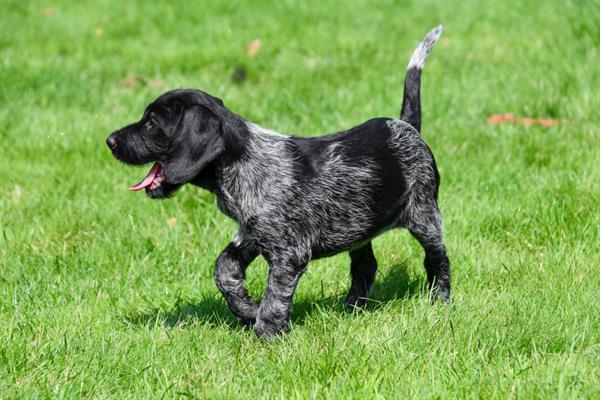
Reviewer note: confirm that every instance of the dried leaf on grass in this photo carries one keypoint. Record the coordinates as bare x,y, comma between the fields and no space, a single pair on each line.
132,81
172,222
254,47
509,118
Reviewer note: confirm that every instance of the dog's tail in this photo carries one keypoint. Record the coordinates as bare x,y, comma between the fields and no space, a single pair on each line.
411,103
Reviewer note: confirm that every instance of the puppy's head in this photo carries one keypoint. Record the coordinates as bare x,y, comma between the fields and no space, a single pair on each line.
182,132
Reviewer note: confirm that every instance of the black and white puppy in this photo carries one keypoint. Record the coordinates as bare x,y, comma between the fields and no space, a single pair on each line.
296,199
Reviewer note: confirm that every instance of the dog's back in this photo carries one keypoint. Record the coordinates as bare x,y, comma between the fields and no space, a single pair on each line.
336,191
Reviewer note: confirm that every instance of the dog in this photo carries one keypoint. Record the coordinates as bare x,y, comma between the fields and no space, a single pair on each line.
296,199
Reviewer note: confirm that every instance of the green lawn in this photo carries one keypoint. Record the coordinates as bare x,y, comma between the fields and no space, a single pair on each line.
105,293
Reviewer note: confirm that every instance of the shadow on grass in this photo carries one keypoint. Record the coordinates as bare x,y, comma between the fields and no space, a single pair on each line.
396,284
209,310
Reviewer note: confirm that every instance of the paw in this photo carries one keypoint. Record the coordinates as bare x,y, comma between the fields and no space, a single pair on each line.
269,331
357,297
354,301
247,323
246,314
439,295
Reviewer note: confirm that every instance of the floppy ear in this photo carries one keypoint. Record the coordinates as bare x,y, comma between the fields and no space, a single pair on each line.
232,126
196,143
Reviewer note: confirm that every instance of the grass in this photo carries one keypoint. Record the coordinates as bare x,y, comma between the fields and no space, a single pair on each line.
107,294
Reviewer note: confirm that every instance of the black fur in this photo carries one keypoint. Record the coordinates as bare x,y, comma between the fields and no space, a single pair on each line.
411,106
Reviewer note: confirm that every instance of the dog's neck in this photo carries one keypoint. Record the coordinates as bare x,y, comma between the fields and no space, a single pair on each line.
245,185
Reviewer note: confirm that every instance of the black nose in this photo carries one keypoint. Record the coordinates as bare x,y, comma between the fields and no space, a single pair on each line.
111,142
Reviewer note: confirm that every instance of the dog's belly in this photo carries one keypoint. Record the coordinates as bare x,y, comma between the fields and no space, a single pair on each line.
349,224
345,238
322,252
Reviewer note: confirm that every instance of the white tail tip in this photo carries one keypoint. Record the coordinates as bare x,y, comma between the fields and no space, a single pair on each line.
420,54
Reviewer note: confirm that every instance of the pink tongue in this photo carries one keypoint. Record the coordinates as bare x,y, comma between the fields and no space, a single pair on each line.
148,179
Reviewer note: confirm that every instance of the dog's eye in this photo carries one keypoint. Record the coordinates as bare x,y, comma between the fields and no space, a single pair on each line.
149,124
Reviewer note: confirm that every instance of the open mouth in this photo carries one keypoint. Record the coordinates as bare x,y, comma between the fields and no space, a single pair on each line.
152,181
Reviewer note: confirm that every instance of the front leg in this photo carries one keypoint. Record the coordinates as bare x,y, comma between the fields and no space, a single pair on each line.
230,271
274,312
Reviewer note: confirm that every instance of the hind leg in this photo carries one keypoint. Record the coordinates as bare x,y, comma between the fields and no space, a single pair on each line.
363,267
426,227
